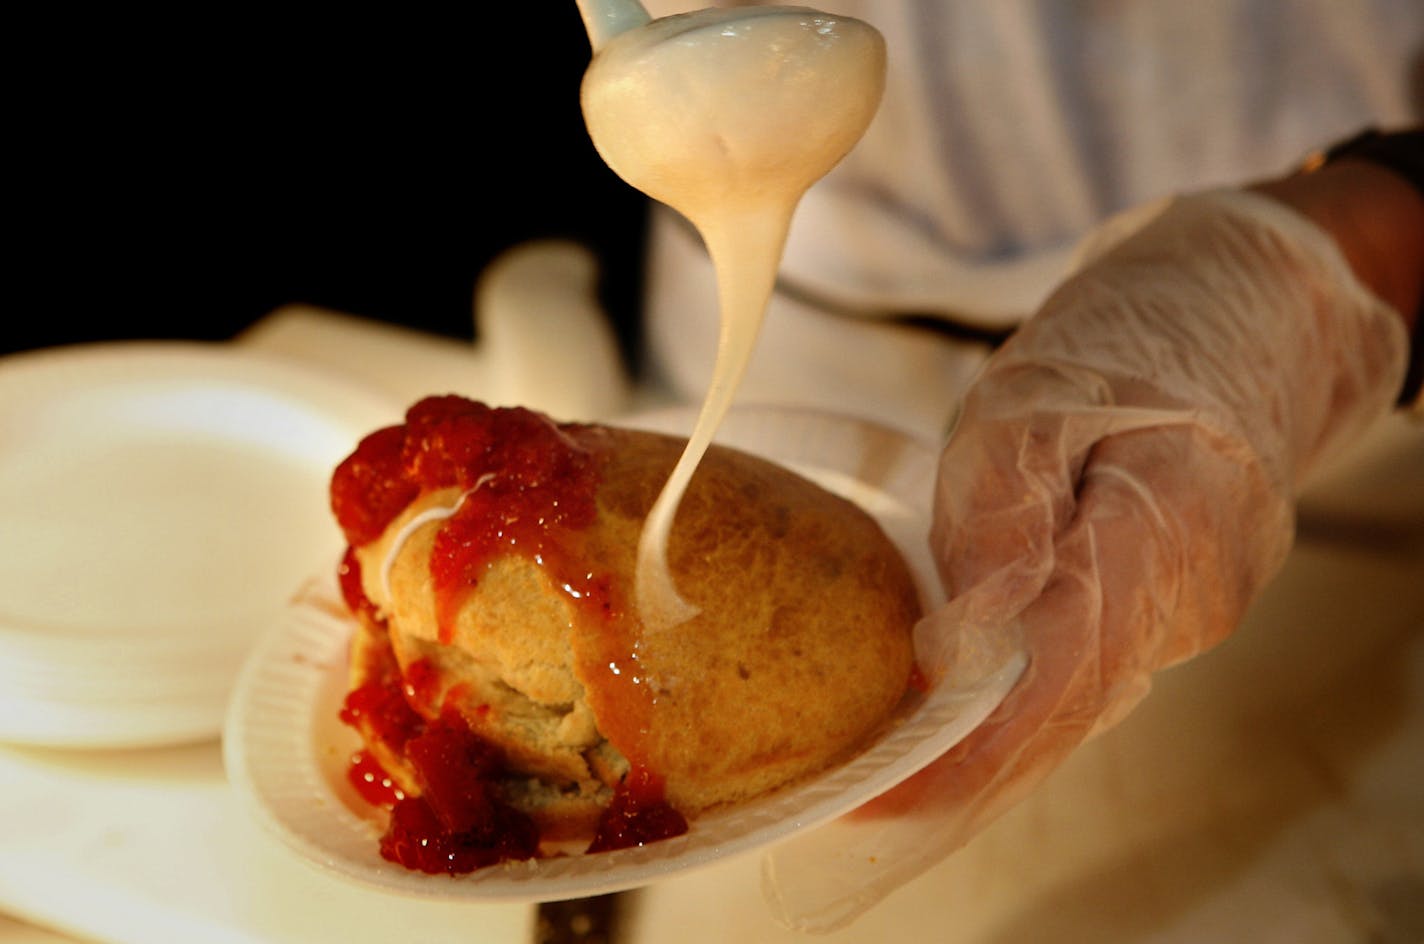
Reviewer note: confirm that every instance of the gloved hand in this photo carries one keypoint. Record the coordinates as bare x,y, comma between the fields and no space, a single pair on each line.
1118,487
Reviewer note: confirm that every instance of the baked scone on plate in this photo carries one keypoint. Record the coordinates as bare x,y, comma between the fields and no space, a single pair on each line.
502,682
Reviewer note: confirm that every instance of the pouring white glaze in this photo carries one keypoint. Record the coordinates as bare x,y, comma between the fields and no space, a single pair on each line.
727,116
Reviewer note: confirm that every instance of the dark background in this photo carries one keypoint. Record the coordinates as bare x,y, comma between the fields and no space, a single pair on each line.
179,176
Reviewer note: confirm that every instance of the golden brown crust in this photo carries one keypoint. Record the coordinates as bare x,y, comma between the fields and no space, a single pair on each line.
802,646
801,649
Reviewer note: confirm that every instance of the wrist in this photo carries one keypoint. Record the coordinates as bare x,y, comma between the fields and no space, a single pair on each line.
1367,194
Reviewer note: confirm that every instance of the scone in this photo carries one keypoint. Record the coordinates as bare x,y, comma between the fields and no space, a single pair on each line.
491,568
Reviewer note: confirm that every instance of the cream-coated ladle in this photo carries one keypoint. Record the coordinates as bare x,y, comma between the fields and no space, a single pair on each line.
727,116
604,19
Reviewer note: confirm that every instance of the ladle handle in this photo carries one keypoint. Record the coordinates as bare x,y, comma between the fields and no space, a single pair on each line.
605,19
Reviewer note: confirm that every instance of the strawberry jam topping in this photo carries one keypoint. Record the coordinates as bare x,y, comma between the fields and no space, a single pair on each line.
372,782
528,488
637,815
459,823
370,488
380,710
348,575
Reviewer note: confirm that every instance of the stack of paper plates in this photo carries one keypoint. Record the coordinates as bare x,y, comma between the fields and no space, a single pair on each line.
158,504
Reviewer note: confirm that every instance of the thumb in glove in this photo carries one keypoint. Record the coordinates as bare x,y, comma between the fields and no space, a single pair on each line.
1118,488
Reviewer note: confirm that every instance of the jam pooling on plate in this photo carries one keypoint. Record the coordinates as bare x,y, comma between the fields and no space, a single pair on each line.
459,822
637,816
528,488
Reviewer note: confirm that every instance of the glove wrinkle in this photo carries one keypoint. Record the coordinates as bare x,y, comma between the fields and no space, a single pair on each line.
1118,487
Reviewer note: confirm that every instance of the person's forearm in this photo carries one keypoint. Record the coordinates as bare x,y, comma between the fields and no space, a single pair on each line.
1375,216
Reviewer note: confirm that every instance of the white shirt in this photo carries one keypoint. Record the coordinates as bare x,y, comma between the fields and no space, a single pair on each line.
1008,130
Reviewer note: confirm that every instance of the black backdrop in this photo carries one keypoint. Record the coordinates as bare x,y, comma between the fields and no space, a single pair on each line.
180,175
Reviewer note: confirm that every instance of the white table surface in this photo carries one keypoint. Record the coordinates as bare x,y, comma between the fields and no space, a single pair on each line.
1270,791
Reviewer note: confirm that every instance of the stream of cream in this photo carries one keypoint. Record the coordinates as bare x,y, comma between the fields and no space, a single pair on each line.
727,116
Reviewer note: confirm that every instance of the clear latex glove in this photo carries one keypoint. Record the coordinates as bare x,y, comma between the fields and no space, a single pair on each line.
1119,486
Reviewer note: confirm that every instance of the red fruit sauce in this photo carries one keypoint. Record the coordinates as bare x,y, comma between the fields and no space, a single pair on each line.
529,488
458,823
637,816
371,781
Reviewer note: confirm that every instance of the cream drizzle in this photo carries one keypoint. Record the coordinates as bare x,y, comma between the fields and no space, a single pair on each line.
727,116
436,513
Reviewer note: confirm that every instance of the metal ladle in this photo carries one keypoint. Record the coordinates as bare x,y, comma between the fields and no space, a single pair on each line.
604,19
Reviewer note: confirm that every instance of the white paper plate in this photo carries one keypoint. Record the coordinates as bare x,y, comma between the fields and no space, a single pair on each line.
286,752
159,502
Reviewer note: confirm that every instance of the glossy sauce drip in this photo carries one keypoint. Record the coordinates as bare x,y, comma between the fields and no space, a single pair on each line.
530,489
459,823
637,815
348,576
606,648
727,116
372,782
382,710
918,681
526,486
370,487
